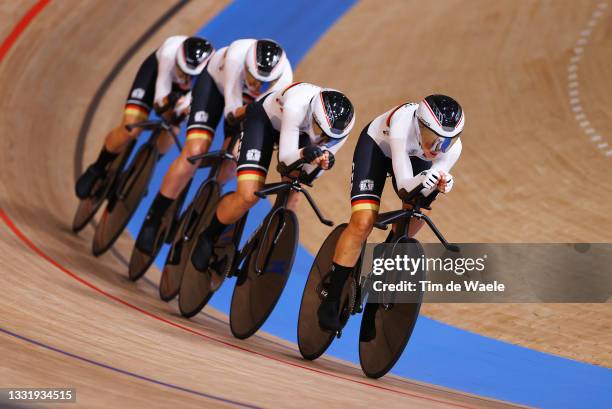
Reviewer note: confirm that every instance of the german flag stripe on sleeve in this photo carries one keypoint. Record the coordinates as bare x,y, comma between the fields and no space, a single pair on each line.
252,174
136,110
199,134
366,204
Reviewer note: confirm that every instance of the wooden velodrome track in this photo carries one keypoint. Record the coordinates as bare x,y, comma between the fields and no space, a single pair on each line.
528,173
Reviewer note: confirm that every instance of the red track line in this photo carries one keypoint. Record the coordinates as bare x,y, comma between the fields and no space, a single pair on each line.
4,48
20,26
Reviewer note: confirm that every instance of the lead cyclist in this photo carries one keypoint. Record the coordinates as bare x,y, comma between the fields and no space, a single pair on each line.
416,143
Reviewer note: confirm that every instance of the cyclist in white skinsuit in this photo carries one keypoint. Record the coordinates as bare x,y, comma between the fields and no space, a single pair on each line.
290,112
416,144
228,67
308,122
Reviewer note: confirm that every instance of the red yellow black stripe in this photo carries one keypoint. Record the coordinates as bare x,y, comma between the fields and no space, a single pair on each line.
365,204
251,174
199,133
136,110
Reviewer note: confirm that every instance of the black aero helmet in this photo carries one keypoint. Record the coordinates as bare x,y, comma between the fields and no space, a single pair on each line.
194,54
333,112
265,60
442,114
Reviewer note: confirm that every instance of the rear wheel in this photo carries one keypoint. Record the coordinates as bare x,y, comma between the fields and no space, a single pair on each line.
313,341
267,271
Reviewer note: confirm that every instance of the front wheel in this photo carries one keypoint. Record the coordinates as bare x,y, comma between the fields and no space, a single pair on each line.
197,287
388,326
140,261
88,207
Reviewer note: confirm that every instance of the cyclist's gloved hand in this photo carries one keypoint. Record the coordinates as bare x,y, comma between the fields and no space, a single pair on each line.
448,184
311,153
169,102
430,178
181,109
331,159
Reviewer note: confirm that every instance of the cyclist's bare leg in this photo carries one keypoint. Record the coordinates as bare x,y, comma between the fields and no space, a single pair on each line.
294,197
166,141
346,255
228,167
233,206
181,170
415,224
114,144
117,139
175,180
229,210
352,238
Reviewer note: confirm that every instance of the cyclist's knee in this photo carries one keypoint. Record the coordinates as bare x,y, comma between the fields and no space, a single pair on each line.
128,120
194,147
361,223
247,195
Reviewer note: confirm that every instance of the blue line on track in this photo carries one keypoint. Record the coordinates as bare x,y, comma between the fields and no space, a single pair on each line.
437,353
128,373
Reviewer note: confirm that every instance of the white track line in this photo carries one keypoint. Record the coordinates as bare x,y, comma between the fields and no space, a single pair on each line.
573,82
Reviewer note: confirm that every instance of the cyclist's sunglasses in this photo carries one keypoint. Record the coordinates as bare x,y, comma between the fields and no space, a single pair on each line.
442,144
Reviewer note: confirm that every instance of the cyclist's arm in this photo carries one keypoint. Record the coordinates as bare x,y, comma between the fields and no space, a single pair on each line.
288,145
163,83
181,109
232,92
399,129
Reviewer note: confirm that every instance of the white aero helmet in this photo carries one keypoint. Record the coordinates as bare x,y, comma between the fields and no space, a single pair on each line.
266,60
443,116
333,112
193,55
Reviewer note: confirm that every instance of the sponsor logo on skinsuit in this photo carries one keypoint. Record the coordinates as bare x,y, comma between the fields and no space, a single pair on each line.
201,116
253,154
366,185
138,93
